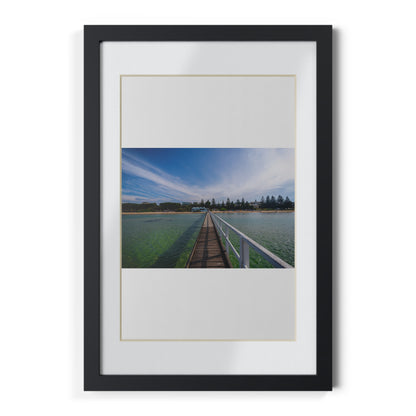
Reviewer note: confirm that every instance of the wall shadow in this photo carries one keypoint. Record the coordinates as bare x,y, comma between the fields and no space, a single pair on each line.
336,206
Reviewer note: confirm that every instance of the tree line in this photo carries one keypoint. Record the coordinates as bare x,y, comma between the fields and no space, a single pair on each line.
153,207
277,203
268,203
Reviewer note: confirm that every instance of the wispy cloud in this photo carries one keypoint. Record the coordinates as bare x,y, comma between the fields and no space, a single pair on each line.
165,183
248,173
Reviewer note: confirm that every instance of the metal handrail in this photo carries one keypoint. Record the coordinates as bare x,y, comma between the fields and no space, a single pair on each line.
246,242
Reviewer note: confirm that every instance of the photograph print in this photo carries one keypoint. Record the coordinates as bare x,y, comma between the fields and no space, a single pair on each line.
208,208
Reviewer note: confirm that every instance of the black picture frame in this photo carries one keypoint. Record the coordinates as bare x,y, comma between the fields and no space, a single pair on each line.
93,379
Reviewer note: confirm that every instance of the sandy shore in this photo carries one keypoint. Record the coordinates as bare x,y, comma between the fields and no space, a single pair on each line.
249,212
158,213
216,212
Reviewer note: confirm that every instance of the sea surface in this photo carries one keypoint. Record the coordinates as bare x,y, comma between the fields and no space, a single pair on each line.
166,240
159,240
273,230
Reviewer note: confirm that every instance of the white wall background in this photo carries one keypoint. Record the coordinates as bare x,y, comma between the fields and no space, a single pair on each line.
41,211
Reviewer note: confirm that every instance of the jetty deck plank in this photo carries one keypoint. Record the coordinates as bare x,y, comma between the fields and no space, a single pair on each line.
208,251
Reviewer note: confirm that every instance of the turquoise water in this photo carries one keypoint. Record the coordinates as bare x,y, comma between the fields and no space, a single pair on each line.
166,240
274,230
159,240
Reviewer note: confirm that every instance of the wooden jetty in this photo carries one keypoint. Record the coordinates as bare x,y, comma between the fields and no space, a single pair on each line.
208,251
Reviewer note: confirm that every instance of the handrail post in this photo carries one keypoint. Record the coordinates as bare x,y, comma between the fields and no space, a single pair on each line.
244,254
245,243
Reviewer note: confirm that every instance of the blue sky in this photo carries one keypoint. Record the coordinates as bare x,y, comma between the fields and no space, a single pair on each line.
192,174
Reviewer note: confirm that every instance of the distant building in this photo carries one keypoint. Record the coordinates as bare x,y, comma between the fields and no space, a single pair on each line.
199,209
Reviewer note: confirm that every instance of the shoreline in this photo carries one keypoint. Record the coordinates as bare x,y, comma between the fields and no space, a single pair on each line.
254,211
215,212
158,213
